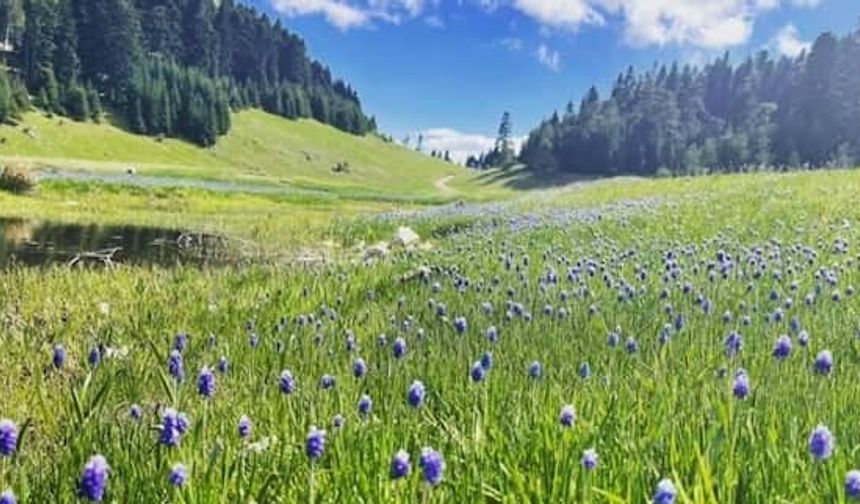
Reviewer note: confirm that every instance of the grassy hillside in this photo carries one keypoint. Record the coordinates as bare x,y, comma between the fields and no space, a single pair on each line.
260,148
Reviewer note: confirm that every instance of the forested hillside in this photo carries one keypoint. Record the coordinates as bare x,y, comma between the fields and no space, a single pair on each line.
760,113
171,68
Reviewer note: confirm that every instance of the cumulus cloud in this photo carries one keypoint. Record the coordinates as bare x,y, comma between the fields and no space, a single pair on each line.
787,41
548,57
460,145
346,14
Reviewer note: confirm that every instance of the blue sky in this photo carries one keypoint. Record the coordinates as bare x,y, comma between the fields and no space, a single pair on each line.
449,68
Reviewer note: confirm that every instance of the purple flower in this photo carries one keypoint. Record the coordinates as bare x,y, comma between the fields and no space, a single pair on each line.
206,383
286,382
178,475
315,443
327,382
460,324
175,366
632,346
399,349
365,404
535,370
492,334
478,373
95,357
59,356
741,386
94,479
567,416
416,393
487,361
665,492
400,466
173,426
338,421
8,437
245,427
589,459
180,341
7,497
135,412
852,483
733,343
612,340
803,338
223,365
585,371
821,443
824,362
433,465
359,368
782,347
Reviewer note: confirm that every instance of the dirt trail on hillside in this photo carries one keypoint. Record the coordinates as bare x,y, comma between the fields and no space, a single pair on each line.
441,185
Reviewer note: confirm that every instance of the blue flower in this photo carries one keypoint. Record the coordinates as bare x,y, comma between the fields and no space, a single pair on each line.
589,459
94,479
178,476
824,362
585,371
535,370
612,340
315,443
135,412
803,338
365,404
399,349
821,443
180,341
286,383
245,427
741,386
433,465
632,346
400,466
733,343
7,497
852,483
487,361
327,382
567,416
59,356
782,347
223,365
173,426
8,437
460,324
665,492
359,368
175,366
95,357
416,393
206,383
492,334
478,373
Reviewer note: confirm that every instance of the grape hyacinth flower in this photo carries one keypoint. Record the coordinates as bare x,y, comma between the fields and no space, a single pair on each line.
589,459
585,371
94,479
852,483
178,476
359,368
399,348
286,383
315,443
338,421
824,362
95,357
803,339
327,382
433,465
567,416
135,412
365,404
478,373
665,492
245,427
175,366
782,348
173,425
206,383
180,342
460,324
223,365
632,346
821,443
741,386
7,497
59,358
733,343
400,465
8,437
492,334
535,370
487,361
416,394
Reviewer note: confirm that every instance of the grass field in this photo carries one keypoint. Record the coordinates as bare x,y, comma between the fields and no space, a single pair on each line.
260,149
626,293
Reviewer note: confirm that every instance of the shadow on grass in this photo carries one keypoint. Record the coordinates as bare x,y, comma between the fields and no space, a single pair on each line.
521,178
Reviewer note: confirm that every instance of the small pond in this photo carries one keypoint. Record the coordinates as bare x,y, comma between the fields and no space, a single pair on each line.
37,243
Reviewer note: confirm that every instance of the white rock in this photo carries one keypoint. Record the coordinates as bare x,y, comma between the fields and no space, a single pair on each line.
405,237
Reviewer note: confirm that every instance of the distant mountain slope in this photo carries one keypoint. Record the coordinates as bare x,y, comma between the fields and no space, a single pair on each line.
260,148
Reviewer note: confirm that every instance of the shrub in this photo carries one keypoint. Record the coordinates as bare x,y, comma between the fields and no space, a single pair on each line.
16,179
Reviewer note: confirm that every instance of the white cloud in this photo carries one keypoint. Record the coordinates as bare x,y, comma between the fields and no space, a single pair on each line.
346,14
460,145
434,21
806,3
787,42
548,57
560,13
513,44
